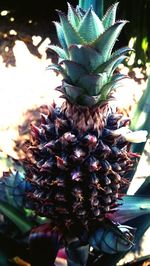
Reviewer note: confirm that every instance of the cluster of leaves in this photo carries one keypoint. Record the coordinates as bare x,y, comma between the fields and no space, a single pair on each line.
138,30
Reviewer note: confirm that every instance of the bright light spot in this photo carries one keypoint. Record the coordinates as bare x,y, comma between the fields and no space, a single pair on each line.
4,13
138,72
132,42
131,59
36,40
42,48
125,93
28,85
12,19
132,56
124,69
6,49
12,32
91,248
5,35
139,61
136,136
30,21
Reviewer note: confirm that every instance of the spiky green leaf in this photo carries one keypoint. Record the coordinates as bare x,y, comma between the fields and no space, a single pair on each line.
110,86
115,64
116,58
80,11
74,70
103,96
70,33
90,27
61,53
110,16
111,65
58,68
73,16
108,39
121,51
60,35
118,77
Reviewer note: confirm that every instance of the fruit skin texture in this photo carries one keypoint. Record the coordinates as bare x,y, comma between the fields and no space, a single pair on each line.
77,163
77,178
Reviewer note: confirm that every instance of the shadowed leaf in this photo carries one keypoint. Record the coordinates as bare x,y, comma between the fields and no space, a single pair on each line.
17,217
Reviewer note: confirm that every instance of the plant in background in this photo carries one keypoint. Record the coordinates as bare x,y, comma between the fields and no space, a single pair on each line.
138,29
79,156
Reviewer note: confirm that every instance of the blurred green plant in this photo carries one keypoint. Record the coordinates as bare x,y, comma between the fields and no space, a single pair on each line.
141,117
138,29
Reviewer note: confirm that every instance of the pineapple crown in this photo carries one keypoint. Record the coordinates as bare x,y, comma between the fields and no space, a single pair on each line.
86,60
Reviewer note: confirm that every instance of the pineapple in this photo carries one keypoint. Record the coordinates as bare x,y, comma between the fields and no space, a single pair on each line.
80,154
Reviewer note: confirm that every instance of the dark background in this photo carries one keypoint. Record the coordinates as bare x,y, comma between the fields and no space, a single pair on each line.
42,13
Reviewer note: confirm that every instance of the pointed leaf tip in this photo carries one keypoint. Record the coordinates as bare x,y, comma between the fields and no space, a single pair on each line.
60,35
110,16
91,26
73,16
108,39
70,33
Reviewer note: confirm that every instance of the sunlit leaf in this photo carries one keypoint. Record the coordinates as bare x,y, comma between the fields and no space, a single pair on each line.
108,39
60,35
70,33
91,26
59,51
110,16
73,16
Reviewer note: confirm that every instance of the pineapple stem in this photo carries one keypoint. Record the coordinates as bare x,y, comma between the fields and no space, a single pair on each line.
98,6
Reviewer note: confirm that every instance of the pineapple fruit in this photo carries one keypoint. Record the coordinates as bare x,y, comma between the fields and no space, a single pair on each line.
80,155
